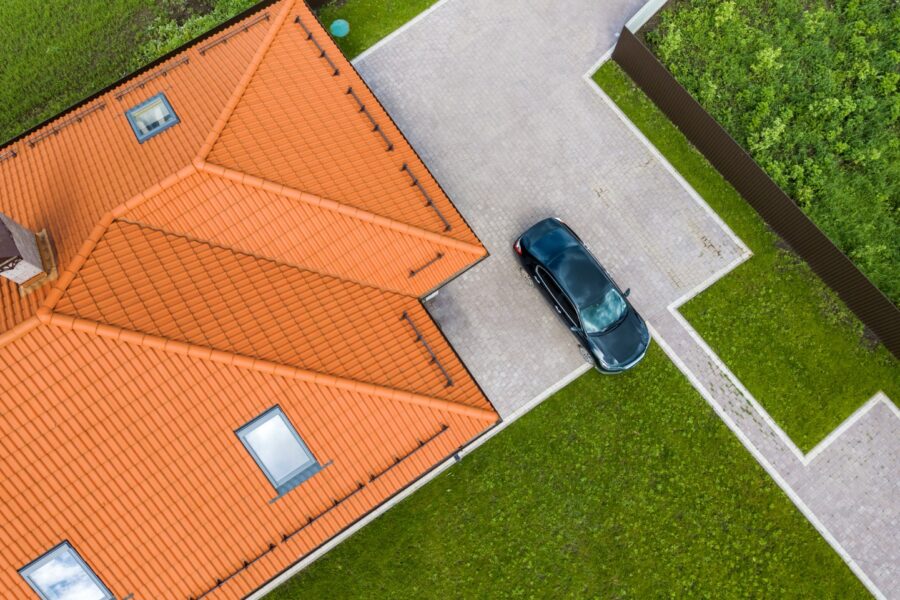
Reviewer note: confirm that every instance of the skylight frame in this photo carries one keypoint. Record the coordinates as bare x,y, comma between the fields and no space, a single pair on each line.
28,570
288,482
132,115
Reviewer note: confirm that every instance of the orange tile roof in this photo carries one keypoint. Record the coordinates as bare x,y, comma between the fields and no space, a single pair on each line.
267,250
128,451
305,230
161,284
333,151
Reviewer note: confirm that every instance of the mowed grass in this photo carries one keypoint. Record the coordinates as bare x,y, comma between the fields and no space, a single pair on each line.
615,487
370,20
627,486
782,332
54,53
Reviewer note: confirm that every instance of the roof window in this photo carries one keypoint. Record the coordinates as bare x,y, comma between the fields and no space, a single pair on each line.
61,574
278,450
151,117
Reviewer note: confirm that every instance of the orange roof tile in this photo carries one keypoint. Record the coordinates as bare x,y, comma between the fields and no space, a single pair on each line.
67,181
302,229
335,151
266,250
169,286
129,452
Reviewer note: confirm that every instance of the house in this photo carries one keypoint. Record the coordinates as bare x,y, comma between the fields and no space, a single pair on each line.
215,356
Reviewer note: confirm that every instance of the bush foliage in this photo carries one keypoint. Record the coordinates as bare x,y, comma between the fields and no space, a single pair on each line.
810,89
183,20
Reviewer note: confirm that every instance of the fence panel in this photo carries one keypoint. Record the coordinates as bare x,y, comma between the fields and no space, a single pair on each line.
872,307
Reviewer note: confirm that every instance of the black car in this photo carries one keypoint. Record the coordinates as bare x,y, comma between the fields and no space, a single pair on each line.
611,332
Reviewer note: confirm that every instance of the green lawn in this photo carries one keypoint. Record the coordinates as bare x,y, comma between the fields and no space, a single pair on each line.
785,335
54,53
626,486
370,20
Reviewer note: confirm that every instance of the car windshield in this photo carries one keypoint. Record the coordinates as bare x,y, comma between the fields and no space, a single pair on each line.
603,315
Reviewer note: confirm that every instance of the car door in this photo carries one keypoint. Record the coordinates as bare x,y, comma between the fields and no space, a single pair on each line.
561,303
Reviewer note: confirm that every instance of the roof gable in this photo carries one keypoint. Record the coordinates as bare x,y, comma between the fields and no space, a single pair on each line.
191,298
66,175
161,284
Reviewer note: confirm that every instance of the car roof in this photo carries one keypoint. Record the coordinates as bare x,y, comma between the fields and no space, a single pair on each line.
579,275
547,239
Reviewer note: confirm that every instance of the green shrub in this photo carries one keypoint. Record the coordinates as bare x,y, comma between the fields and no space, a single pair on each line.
810,89
183,20
786,336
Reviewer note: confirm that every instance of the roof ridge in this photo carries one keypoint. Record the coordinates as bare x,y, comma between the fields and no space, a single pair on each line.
242,85
263,257
19,330
333,205
259,257
119,334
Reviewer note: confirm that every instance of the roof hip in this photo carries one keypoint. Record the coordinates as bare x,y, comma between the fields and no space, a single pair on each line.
220,123
352,211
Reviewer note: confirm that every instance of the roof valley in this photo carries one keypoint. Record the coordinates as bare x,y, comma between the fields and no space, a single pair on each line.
192,297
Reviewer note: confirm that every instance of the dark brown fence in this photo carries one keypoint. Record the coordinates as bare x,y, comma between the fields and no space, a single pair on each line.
872,307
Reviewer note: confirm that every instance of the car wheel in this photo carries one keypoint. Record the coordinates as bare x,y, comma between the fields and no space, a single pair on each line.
524,274
585,354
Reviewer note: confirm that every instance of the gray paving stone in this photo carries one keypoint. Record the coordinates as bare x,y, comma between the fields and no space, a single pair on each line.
491,95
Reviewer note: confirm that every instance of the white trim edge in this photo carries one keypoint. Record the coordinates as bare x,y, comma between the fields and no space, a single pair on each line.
362,55
644,14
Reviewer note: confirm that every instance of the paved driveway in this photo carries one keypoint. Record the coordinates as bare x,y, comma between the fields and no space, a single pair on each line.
492,94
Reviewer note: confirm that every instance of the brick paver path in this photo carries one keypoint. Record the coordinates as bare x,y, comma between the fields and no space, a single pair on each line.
492,94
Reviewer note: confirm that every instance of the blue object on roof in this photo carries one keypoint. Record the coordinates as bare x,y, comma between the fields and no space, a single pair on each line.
339,28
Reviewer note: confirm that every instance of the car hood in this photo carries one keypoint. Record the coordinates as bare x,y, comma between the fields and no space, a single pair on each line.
624,344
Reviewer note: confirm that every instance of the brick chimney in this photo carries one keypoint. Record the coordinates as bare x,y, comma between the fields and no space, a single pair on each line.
25,257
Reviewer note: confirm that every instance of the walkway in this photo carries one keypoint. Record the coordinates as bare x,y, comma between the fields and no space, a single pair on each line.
493,96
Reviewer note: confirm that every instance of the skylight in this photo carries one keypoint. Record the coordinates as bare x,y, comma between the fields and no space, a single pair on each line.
278,450
151,117
61,574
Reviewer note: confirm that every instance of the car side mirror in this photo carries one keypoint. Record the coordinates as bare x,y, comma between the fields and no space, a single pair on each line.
627,292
